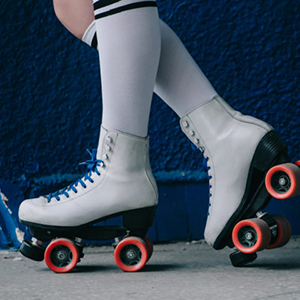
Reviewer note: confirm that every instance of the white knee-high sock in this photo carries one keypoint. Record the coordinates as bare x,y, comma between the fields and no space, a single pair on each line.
179,82
129,48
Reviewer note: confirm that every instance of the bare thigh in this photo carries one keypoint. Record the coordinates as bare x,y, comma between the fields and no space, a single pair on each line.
75,15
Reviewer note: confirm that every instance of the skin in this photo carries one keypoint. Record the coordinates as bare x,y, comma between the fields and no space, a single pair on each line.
75,15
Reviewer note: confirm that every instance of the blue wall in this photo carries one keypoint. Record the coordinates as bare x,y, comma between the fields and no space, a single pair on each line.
51,105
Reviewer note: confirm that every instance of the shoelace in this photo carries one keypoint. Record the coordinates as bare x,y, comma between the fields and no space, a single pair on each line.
206,168
92,166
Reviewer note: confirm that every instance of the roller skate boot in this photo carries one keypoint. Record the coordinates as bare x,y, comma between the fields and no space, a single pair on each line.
238,151
119,182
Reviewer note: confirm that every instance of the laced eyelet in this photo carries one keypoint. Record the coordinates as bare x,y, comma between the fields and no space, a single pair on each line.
185,124
92,166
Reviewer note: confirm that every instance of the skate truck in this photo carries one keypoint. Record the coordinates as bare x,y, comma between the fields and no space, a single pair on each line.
266,231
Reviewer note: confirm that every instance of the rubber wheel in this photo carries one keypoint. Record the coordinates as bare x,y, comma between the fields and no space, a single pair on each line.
240,259
283,181
251,235
284,232
149,244
131,254
61,256
32,251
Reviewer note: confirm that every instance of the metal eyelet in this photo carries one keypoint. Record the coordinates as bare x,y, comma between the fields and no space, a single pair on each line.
185,124
202,149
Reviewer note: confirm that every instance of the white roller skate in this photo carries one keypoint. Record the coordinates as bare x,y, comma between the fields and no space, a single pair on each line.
119,182
238,150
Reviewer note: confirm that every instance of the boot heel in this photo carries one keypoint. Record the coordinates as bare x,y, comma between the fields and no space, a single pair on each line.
271,150
141,218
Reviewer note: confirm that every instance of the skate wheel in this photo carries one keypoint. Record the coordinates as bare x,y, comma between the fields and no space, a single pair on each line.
251,235
61,256
131,254
284,232
149,244
32,251
240,259
283,181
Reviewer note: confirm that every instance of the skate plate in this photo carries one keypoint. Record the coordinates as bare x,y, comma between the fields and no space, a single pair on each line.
62,248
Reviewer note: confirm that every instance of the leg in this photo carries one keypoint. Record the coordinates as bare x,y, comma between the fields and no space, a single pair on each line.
119,180
129,50
78,17
180,82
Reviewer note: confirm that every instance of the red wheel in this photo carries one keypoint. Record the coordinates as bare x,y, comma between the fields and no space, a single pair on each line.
131,254
284,232
283,181
149,244
61,256
251,235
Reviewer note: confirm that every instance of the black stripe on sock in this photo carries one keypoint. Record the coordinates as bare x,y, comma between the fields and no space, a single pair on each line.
126,7
103,3
95,41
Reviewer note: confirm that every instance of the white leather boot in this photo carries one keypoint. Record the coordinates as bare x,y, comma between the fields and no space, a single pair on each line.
239,150
119,182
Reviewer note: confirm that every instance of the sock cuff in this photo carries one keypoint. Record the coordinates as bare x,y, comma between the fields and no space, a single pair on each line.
116,6
90,36
102,3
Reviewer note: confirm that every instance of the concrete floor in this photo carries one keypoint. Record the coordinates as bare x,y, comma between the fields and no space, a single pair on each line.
175,271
